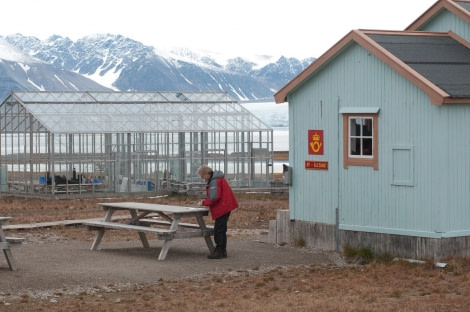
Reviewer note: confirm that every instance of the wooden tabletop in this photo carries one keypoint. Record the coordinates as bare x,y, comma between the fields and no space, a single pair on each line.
153,207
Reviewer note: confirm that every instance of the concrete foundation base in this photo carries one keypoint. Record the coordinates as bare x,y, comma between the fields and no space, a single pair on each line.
325,236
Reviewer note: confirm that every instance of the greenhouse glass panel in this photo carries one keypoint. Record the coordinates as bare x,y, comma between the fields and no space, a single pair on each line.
88,142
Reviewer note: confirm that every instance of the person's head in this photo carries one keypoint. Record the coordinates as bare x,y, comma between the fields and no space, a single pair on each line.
204,172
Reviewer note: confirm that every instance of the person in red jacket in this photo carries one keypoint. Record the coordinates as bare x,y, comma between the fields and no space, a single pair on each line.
221,202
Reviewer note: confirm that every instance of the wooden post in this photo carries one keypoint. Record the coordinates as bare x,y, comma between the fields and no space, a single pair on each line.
282,228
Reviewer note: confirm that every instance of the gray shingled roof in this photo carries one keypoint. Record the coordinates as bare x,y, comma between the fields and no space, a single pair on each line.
465,5
440,59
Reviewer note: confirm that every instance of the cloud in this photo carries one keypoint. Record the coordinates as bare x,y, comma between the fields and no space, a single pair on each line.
296,28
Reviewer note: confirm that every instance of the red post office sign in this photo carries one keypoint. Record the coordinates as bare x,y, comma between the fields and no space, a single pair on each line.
316,165
315,142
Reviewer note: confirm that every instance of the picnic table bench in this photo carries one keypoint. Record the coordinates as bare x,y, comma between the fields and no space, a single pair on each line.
7,242
161,220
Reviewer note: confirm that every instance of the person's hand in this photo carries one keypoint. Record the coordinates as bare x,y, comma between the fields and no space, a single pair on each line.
200,202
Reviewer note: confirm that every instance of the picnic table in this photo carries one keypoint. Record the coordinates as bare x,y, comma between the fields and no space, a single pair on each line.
7,242
162,220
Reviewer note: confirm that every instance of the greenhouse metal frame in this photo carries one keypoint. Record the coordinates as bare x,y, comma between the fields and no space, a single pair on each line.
80,142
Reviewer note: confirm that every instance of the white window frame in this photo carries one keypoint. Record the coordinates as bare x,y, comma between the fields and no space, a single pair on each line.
360,136
360,160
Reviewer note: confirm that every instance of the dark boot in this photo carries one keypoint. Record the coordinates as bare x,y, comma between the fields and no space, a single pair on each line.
224,253
216,254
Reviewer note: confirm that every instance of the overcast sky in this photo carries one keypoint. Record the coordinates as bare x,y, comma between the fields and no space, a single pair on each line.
293,28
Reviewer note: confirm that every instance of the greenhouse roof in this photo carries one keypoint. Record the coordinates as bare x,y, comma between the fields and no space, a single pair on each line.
130,112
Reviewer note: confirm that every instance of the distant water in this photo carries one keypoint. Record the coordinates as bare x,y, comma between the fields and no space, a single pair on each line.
281,139
275,116
280,143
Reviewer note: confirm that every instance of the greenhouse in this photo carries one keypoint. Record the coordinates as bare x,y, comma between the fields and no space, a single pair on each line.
81,142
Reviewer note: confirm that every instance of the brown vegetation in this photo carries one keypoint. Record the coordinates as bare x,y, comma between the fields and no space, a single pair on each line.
281,155
380,285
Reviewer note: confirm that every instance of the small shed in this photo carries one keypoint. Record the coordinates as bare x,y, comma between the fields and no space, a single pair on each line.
82,142
380,140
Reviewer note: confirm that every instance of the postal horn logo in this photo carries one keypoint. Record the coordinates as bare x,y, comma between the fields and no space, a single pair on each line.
315,142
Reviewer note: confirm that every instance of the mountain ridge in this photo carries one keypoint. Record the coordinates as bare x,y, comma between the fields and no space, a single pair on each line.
21,71
120,63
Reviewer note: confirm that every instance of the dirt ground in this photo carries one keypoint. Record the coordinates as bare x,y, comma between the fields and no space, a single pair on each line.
58,272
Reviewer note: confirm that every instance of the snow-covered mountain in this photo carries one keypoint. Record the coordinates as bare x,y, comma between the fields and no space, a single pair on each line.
114,62
21,71
121,63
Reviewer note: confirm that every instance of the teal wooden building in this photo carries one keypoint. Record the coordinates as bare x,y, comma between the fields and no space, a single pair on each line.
380,143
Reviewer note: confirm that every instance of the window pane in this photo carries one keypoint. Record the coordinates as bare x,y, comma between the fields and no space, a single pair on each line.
354,147
367,128
355,127
367,147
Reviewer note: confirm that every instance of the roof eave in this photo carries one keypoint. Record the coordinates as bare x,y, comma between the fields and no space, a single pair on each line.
436,95
434,9
281,95
450,100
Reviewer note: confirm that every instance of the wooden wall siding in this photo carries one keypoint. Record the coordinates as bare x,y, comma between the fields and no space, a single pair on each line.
454,164
446,21
438,200
314,108
454,178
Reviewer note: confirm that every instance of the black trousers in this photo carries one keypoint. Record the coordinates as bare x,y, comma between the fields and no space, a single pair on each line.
220,231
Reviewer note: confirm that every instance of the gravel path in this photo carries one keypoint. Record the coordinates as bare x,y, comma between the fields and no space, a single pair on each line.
50,266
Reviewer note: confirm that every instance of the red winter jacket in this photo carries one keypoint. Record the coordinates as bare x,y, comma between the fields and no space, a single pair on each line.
220,197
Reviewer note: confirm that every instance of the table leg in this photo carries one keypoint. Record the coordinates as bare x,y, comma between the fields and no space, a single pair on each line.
207,237
142,236
97,240
10,260
165,248
100,233
7,252
167,243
